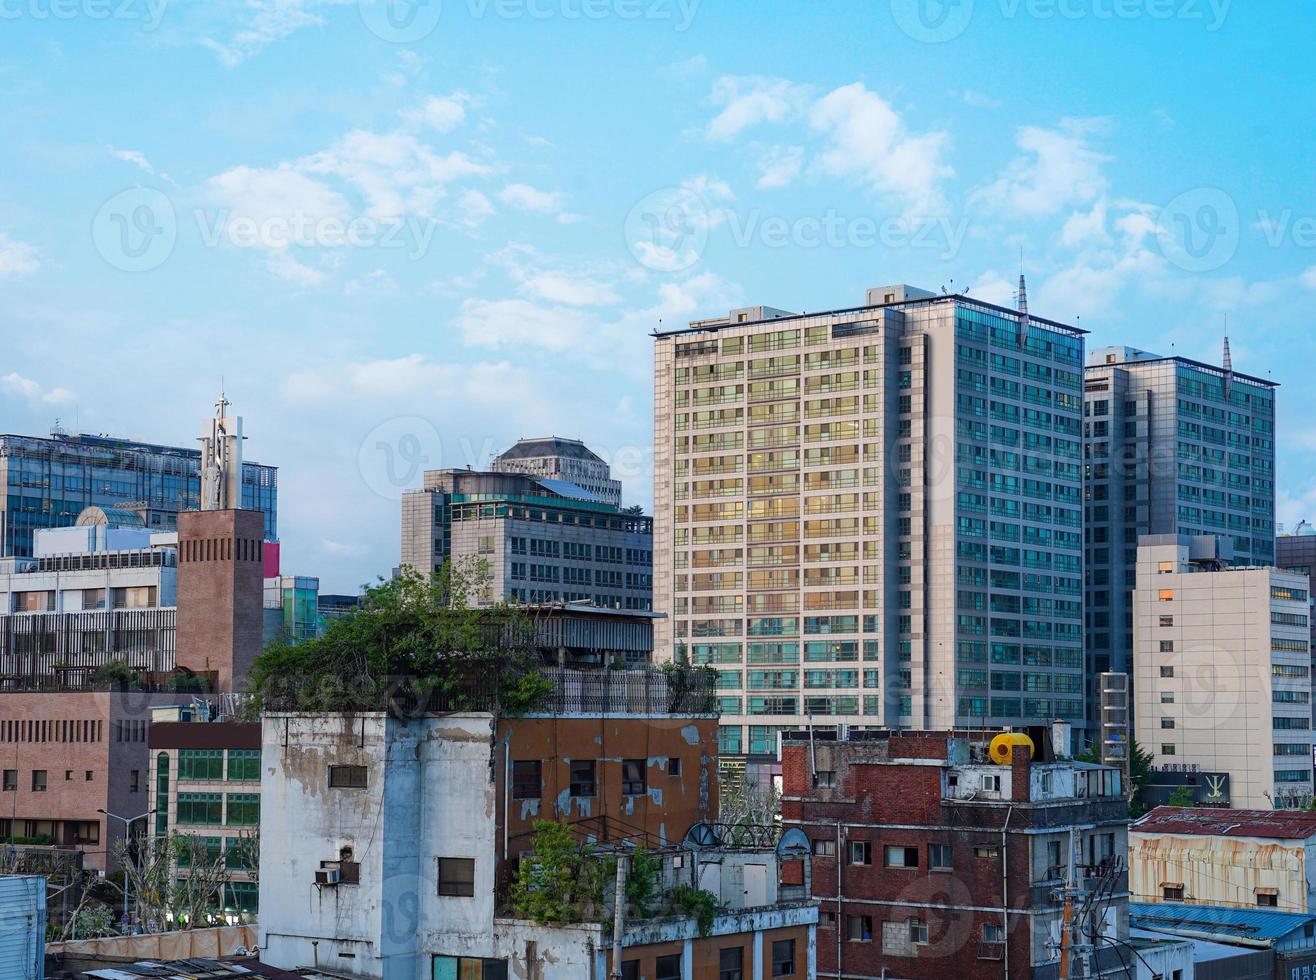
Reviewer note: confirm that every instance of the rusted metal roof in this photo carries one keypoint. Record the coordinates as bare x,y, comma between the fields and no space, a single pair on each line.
1213,822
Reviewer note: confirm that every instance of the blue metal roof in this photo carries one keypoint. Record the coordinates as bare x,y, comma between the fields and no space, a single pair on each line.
1253,925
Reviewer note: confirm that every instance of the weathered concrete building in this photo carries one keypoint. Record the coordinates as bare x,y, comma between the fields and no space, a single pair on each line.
1240,858
387,844
930,861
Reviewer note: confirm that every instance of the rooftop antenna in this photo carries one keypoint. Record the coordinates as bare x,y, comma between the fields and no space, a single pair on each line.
1021,300
1228,361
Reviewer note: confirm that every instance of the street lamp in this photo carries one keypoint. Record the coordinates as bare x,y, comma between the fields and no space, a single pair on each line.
127,829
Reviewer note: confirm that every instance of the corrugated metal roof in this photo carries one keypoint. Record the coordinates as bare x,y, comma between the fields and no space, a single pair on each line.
1254,925
1212,822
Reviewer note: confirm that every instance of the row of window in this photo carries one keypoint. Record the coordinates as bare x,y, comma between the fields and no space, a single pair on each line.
219,809
208,764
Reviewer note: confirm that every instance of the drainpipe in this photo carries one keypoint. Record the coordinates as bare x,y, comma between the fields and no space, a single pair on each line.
618,914
840,917
507,791
1005,889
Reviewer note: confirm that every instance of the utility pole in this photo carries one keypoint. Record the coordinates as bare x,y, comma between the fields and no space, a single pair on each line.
1073,944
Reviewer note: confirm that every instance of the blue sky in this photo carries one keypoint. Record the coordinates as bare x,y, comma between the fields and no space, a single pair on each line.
404,237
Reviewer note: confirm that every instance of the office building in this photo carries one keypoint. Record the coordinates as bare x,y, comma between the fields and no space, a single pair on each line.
205,779
1296,552
1214,856
292,609
1172,446
872,516
50,481
936,858
1222,669
543,540
555,458
391,860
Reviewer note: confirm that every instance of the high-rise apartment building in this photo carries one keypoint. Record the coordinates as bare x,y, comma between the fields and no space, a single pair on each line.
1222,669
543,540
1173,446
872,516
555,458
49,482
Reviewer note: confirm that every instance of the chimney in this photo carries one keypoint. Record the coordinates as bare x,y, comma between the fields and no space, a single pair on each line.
1021,766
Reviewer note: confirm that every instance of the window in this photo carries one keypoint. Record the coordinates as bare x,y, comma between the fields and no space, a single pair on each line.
667,967
244,765
1167,646
457,877
731,963
201,764
243,809
918,931
38,780
1167,620
202,808
10,783
632,777
68,775
347,777
861,852
859,928
1167,671
87,775
582,777
135,781
989,851
1165,595
783,958
1268,897
824,778
630,970
1167,748
1172,891
1164,567
901,857
527,779
939,856
470,968
673,766
823,847
1167,722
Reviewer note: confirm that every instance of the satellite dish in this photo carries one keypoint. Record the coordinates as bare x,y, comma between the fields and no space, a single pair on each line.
703,835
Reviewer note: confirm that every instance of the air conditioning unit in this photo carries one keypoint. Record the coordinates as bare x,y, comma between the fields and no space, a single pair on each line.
328,876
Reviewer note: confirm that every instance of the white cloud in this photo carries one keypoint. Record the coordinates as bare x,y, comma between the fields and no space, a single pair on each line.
779,166
15,384
978,100
520,323
869,142
135,157
287,268
442,113
1086,228
1057,170
17,258
281,194
259,23
474,207
746,101
523,197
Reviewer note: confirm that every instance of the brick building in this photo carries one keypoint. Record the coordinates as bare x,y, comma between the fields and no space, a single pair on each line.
930,861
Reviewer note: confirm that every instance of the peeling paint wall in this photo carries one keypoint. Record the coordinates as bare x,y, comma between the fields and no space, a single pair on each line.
1219,870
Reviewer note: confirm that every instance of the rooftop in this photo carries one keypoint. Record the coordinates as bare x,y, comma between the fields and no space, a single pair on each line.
549,446
1254,927
1214,822
701,326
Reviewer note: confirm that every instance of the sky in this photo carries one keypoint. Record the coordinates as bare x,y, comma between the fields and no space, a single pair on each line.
400,236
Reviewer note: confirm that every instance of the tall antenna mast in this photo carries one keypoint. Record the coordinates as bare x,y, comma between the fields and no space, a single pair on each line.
1021,301
1227,362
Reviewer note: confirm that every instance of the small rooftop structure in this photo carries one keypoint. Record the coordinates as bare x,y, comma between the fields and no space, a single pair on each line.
1215,822
549,446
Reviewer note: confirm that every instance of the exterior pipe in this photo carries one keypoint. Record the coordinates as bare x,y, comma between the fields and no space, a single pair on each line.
840,917
618,914
1005,889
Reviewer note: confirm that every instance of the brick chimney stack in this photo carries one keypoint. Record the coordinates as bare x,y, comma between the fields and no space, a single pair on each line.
1020,771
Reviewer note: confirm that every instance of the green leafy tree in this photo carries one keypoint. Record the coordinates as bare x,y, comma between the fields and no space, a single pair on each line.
1181,796
560,881
1140,770
411,636
115,675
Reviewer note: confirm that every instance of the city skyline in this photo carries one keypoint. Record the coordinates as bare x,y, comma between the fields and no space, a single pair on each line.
513,254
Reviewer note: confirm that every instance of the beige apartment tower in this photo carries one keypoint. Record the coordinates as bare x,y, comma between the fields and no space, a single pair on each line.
872,516
1222,669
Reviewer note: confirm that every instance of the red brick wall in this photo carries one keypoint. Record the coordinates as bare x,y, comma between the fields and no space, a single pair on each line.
220,593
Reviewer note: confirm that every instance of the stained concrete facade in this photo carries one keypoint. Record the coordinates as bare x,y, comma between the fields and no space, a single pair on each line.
1222,669
872,516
